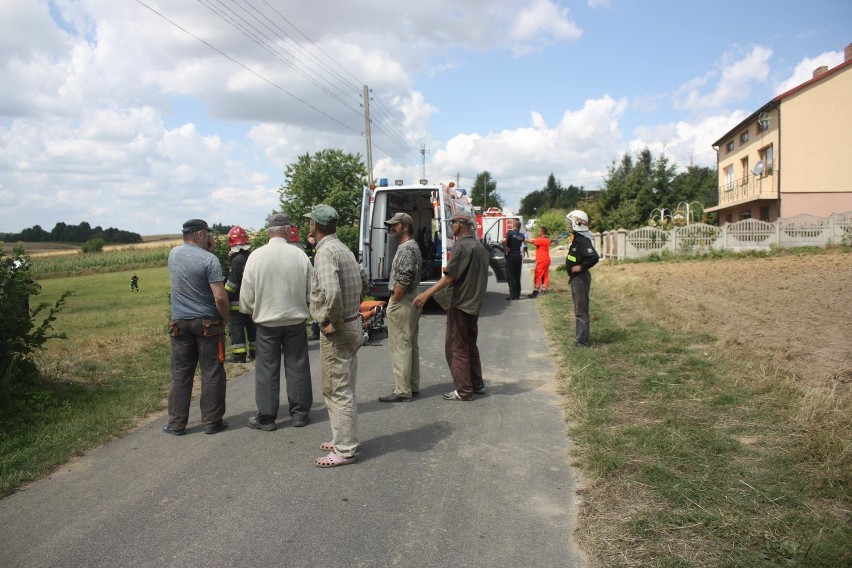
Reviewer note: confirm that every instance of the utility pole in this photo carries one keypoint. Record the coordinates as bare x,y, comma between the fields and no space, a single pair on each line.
423,154
485,188
367,136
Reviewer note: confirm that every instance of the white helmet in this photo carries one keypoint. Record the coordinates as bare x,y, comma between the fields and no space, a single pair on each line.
579,220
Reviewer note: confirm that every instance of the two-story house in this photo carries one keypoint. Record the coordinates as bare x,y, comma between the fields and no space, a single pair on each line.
790,156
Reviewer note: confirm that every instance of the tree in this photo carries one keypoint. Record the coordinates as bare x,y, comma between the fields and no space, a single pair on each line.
485,188
533,203
551,196
633,189
330,176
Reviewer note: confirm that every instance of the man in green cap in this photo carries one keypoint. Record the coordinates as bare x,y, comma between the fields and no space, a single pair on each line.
337,283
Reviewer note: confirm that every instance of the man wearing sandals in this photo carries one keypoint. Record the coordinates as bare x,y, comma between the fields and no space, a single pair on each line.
467,273
336,288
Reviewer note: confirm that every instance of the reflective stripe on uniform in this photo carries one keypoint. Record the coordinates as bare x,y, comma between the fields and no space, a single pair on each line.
572,258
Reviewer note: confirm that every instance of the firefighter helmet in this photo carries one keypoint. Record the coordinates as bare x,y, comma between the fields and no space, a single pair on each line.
237,236
579,220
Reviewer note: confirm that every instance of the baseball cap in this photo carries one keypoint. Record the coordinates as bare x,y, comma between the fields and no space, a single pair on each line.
278,220
400,218
322,214
194,225
464,216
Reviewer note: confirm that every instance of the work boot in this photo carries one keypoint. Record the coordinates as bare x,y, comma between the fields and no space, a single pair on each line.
533,295
238,358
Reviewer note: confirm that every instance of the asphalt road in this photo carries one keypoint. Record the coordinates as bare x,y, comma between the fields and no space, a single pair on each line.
437,483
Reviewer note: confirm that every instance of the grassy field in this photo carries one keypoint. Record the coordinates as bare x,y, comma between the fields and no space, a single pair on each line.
693,452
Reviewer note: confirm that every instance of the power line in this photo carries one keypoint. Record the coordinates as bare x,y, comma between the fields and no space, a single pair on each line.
250,70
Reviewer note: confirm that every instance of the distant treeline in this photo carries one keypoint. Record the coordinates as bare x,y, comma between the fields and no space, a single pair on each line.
63,233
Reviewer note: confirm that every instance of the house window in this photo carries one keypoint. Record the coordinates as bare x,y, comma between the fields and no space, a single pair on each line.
764,213
729,147
744,163
729,217
745,215
766,155
729,178
763,124
744,137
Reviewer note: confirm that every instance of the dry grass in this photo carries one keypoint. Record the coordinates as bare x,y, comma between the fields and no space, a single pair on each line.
698,448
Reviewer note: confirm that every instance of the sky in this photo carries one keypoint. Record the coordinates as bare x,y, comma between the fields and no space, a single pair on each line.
141,114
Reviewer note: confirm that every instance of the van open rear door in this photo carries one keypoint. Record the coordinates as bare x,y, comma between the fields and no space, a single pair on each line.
496,255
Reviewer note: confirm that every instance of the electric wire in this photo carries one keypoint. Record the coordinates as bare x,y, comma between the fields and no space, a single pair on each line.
249,69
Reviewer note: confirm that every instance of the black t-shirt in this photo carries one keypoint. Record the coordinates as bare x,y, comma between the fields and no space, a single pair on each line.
515,241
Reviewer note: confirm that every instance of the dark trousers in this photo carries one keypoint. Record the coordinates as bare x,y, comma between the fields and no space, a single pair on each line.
581,284
243,333
514,261
291,342
195,342
461,351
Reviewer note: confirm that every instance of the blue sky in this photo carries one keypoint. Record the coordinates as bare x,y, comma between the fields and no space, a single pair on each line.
111,114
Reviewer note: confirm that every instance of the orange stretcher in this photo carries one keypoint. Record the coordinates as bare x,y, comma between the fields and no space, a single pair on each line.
372,315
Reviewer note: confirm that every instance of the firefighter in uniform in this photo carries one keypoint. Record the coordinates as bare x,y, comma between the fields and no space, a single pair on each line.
581,257
242,328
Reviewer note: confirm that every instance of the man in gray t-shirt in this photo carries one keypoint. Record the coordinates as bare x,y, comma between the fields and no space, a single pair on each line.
200,312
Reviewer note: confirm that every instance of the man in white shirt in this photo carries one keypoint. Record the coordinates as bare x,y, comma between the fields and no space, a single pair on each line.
275,292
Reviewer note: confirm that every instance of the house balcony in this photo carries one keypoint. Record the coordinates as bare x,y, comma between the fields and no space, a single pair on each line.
744,190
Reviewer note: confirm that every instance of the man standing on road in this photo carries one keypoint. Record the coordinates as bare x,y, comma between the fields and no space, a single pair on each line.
512,244
581,257
275,292
336,288
199,315
467,273
403,318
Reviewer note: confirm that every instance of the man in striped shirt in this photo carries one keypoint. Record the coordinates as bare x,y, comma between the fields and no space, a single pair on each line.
336,287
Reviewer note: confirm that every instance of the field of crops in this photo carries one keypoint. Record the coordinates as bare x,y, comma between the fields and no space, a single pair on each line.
128,258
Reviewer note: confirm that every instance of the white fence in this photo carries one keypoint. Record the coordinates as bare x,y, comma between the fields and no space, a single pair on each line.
750,234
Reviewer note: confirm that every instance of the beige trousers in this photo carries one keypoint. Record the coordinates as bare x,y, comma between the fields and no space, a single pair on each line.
403,345
339,367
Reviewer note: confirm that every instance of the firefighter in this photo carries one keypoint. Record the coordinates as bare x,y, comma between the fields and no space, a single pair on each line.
581,257
242,328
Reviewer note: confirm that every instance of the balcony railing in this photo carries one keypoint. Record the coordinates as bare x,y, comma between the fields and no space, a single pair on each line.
752,186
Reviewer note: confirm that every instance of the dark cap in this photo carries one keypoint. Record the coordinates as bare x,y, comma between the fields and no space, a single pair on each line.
465,217
322,214
194,225
278,220
400,218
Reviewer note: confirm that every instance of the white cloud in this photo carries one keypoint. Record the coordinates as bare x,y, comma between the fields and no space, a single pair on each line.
805,70
542,22
731,83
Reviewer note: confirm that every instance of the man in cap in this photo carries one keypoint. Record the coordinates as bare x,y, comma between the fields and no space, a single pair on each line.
275,291
403,318
467,273
337,283
199,315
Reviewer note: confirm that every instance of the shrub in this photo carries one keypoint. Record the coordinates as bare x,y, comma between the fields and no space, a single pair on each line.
93,245
20,336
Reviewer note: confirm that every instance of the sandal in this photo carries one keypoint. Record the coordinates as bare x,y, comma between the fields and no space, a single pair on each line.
333,460
327,446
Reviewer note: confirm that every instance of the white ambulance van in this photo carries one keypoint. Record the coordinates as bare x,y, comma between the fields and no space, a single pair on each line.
431,207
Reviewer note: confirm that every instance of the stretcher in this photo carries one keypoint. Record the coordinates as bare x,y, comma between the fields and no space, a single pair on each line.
372,316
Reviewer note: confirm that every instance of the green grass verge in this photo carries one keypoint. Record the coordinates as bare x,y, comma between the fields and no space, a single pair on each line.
690,457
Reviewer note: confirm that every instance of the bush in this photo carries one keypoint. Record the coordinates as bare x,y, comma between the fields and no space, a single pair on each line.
93,245
19,334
